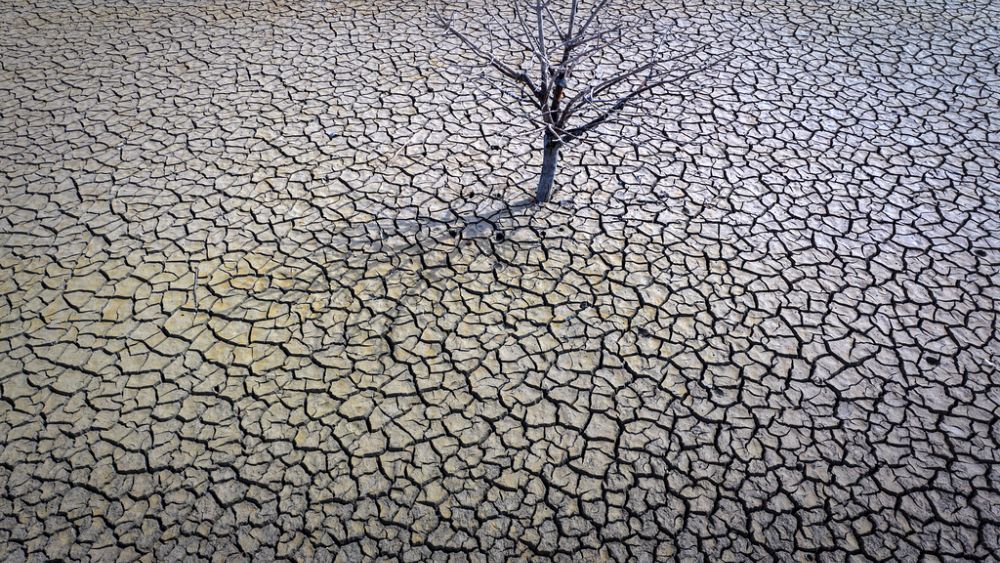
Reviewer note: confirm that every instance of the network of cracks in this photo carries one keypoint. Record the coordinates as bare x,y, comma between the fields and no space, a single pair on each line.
264,293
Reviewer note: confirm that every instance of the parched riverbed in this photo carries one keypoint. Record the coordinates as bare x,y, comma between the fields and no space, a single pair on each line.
262,296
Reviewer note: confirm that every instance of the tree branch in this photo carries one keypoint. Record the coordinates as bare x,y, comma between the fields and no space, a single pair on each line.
623,101
490,58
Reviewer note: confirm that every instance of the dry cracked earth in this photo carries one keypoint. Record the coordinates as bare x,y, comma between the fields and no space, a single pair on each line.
260,297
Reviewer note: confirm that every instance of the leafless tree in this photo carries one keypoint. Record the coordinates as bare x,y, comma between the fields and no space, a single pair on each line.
569,65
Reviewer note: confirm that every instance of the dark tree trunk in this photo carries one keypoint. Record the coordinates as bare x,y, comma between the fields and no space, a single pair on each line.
549,162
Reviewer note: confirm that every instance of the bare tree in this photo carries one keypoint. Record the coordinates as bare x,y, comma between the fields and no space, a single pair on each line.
570,65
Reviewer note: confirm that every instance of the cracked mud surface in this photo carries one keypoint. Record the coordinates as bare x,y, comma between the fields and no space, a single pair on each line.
256,300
